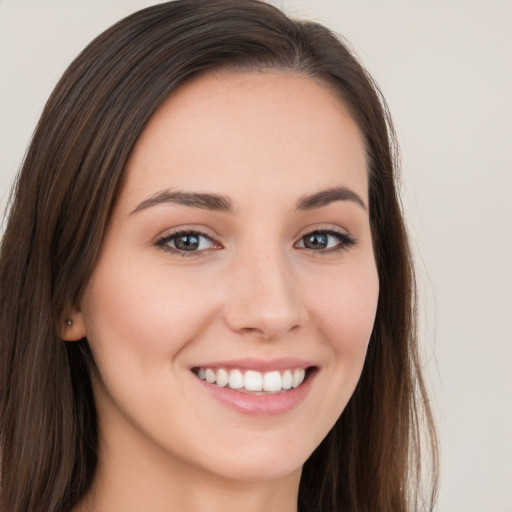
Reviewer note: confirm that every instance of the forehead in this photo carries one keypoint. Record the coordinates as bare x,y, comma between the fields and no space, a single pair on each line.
226,132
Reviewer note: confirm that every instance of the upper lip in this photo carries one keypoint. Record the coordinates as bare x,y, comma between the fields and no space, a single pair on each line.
282,363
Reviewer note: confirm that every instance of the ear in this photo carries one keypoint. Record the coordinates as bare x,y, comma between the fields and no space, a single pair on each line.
72,326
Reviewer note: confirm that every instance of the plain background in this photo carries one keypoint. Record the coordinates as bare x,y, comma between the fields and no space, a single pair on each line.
445,68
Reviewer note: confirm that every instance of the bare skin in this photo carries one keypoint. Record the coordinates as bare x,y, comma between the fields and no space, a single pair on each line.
280,271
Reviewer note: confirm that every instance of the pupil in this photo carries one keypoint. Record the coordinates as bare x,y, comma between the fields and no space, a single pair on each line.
316,241
187,242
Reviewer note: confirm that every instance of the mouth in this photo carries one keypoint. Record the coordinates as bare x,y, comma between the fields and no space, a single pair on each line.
254,382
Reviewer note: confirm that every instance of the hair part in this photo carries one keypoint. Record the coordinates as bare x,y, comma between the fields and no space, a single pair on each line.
60,209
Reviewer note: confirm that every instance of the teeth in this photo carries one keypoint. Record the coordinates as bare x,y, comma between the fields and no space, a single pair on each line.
287,379
236,379
210,375
272,381
298,377
222,378
251,380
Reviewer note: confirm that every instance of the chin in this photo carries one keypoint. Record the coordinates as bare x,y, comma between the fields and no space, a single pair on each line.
268,456
260,470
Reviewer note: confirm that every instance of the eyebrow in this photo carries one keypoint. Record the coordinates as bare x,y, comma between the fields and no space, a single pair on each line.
204,201
218,203
330,195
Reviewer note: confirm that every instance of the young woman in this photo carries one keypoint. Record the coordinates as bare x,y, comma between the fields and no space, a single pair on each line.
206,295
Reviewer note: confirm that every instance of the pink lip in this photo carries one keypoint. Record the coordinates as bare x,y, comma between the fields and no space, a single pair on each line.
260,405
283,363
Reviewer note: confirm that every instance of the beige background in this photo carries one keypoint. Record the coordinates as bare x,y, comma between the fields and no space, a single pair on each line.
446,70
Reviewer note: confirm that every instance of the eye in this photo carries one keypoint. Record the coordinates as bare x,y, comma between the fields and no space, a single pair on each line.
187,242
325,240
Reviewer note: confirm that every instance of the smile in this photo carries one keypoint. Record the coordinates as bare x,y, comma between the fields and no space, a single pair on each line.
252,381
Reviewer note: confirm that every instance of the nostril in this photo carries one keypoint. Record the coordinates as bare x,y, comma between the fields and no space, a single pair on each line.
252,330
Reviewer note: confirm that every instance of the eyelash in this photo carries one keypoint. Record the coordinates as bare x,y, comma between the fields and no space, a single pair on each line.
345,241
164,241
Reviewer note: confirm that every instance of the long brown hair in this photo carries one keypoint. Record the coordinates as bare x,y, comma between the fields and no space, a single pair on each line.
60,208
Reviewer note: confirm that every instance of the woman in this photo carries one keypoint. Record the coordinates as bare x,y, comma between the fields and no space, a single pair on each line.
206,289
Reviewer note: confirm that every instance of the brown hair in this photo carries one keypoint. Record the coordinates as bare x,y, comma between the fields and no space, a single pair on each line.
59,211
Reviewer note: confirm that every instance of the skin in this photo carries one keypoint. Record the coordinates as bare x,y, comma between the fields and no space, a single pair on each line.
265,140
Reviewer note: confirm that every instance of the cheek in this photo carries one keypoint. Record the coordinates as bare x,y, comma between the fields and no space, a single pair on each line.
141,315
346,312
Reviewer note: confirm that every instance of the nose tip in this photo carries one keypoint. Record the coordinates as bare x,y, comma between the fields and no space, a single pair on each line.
265,304
267,324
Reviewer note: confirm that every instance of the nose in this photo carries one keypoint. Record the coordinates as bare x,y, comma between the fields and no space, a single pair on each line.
263,299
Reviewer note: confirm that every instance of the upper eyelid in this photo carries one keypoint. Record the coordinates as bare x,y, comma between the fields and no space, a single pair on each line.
201,231
323,228
346,237
162,243
221,241
182,232
169,234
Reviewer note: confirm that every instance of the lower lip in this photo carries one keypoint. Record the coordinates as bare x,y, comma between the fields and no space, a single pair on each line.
261,405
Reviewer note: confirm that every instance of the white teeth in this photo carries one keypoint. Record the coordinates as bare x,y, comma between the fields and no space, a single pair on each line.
287,379
251,380
210,375
236,379
222,377
298,377
272,381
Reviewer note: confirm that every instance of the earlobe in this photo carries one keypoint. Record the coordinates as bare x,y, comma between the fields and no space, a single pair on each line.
72,327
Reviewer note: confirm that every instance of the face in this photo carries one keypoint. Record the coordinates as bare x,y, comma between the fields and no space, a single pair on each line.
234,297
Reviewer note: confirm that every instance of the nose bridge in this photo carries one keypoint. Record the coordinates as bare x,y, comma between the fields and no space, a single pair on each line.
263,298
